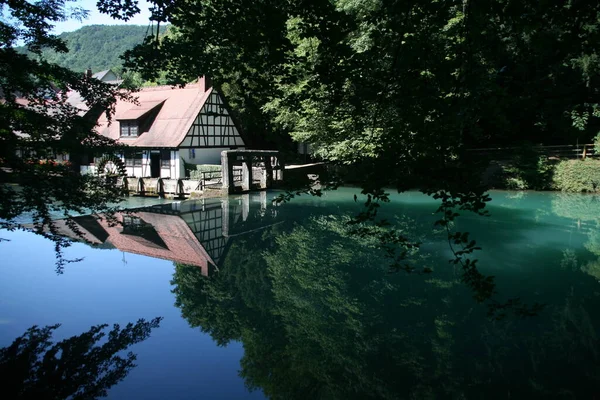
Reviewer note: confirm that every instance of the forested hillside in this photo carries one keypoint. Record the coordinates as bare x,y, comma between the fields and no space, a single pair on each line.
97,46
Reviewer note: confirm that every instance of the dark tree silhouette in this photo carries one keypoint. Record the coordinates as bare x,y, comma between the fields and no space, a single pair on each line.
79,367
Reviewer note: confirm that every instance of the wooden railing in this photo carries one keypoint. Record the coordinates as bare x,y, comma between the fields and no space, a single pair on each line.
580,151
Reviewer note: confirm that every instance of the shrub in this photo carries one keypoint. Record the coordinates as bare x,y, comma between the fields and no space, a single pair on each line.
526,170
515,183
597,143
194,171
577,176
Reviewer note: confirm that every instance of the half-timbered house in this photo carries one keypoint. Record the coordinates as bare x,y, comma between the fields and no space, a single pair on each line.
170,126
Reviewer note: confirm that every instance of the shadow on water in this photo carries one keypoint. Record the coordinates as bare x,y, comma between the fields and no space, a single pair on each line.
85,366
320,316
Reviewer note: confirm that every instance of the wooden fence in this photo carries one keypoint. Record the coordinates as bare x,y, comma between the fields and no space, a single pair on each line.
580,151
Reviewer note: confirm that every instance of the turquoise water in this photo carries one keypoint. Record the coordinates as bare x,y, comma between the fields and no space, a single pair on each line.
281,301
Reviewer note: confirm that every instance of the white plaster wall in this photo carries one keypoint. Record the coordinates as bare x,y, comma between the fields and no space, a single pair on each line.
181,172
177,164
140,171
144,170
62,157
87,169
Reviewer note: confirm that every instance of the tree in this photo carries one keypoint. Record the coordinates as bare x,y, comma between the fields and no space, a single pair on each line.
38,124
417,80
401,88
78,367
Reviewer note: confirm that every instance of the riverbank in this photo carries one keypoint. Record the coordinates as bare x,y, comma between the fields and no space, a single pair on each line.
523,171
543,173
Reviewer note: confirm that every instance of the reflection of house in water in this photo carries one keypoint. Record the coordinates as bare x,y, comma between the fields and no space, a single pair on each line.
194,232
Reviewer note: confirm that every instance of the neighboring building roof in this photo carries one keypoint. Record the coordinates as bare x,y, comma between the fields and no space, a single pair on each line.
108,76
76,100
180,106
101,74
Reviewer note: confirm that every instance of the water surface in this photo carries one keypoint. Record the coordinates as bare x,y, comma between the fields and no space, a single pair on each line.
282,302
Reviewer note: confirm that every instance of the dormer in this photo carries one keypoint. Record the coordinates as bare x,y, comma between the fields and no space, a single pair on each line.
138,119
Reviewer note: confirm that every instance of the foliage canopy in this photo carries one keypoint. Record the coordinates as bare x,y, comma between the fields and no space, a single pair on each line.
405,84
38,123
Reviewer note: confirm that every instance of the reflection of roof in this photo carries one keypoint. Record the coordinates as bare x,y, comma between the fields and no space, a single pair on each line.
181,244
170,239
173,121
91,225
143,233
89,233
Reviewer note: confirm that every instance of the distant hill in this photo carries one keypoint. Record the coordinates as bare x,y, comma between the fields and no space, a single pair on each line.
98,46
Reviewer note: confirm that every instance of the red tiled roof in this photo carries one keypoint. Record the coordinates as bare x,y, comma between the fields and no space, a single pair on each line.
180,108
137,111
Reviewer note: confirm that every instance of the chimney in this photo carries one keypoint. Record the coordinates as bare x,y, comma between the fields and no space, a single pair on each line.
205,83
88,72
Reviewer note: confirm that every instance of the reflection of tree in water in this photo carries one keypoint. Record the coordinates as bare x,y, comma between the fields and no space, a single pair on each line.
592,268
577,206
319,317
78,367
584,209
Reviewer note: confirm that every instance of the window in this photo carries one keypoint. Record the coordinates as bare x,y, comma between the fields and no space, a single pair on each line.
165,159
25,153
86,159
133,159
142,232
192,154
129,128
134,222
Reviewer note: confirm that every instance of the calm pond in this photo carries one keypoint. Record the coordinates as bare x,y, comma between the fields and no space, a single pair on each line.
271,301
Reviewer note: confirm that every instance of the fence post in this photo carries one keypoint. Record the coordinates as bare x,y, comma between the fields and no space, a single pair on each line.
268,171
226,173
247,172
